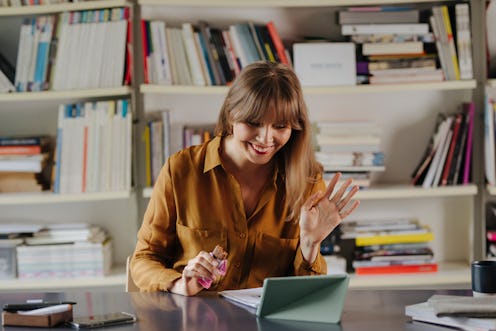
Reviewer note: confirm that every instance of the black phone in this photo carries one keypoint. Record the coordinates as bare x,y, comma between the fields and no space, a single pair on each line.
96,321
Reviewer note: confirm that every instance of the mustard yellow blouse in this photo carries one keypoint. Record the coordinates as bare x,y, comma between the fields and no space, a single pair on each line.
196,205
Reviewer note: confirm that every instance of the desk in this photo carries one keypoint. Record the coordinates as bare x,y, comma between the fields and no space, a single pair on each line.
364,310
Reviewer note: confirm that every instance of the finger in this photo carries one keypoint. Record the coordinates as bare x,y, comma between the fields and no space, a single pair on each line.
332,184
348,197
339,193
348,211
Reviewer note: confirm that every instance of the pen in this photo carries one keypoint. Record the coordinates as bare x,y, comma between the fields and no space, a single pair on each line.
47,310
31,304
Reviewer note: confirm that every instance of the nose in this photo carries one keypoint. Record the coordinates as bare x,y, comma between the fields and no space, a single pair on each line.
265,134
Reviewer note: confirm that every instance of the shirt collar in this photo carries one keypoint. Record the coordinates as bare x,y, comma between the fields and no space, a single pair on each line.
212,157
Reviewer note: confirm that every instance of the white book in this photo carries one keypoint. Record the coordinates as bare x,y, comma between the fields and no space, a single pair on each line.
442,134
489,145
192,55
407,47
424,312
119,53
5,84
23,55
161,46
415,28
464,40
439,171
62,52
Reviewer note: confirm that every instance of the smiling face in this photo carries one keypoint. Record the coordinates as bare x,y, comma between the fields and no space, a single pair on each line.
258,142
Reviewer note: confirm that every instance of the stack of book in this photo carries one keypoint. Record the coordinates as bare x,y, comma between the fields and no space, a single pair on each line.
451,27
64,251
197,134
93,152
157,144
203,55
387,246
26,163
352,148
448,157
393,46
19,3
74,50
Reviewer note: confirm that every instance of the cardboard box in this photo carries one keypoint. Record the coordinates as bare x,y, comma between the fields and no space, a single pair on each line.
325,64
14,319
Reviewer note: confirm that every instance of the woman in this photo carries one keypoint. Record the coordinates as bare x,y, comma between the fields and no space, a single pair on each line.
255,189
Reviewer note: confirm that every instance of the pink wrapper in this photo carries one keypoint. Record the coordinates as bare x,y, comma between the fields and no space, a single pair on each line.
207,282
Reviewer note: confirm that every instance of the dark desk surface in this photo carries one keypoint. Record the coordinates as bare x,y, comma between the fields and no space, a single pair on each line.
364,310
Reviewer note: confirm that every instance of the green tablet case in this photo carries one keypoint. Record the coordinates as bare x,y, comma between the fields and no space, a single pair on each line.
304,298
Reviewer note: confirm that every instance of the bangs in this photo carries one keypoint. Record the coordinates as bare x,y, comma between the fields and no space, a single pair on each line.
255,105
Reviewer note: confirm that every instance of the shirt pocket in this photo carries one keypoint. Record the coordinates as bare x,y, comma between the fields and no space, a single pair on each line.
194,240
273,257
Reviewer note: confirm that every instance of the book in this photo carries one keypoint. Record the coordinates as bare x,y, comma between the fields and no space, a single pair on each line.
381,17
395,237
469,108
408,47
279,46
489,144
416,28
425,312
397,269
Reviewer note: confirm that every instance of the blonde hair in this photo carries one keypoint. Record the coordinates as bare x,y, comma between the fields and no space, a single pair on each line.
262,86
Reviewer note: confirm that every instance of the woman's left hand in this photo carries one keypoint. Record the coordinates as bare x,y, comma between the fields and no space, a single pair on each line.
321,213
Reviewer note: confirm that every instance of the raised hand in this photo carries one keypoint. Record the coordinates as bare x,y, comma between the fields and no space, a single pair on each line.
322,212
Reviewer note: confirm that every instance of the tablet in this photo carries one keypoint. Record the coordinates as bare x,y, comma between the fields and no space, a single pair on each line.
96,321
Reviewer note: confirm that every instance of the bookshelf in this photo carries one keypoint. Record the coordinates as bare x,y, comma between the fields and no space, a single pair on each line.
35,113
406,111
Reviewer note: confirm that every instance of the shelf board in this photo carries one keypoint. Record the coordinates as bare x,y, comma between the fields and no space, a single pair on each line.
69,94
222,90
49,197
491,189
491,83
399,192
272,3
409,191
448,275
61,7
117,277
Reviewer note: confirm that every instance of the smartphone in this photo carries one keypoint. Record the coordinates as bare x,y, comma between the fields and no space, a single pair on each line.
96,321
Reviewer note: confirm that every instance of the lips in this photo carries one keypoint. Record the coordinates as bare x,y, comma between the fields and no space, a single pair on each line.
261,149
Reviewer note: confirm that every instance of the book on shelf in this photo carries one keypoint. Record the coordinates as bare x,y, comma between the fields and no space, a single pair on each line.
411,28
378,15
157,143
489,144
447,158
325,64
93,147
197,134
397,269
384,48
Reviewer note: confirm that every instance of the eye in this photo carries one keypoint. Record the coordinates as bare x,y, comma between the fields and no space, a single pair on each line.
280,126
254,124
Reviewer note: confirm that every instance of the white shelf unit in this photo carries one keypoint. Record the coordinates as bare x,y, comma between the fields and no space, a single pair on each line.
115,280
407,113
33,113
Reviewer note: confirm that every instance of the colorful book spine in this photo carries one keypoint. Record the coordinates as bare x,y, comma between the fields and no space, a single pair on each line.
394,239
397,269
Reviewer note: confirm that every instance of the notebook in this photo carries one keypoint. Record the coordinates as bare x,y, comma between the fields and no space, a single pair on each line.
297,298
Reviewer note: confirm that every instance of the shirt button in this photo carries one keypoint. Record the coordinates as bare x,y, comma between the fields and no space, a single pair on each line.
242,235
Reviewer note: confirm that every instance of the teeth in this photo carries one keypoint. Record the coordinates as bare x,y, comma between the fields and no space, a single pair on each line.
260,149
